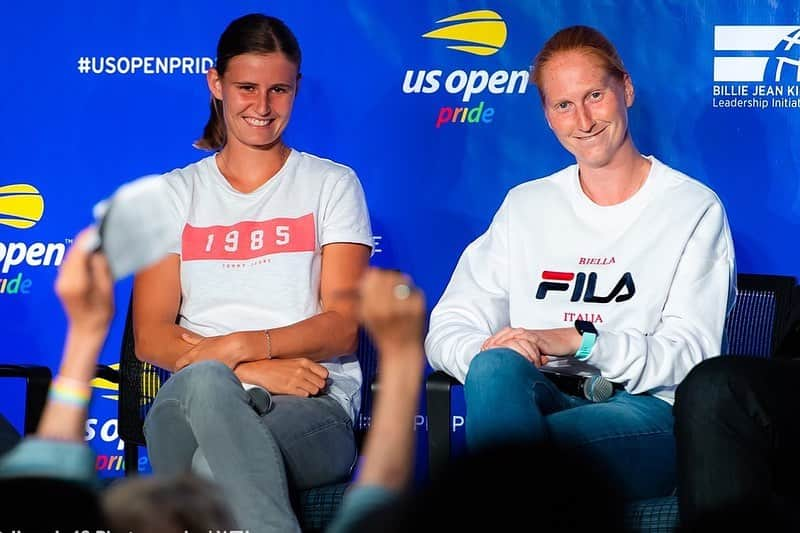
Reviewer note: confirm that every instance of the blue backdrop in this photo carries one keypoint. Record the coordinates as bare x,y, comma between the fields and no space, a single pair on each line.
97,94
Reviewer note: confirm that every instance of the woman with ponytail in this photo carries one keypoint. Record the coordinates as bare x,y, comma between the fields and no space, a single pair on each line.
268,248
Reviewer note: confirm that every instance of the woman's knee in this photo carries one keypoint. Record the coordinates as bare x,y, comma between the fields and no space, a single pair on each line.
497,365
204,373
198,379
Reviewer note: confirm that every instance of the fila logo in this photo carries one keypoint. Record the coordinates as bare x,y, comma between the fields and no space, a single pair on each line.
585,287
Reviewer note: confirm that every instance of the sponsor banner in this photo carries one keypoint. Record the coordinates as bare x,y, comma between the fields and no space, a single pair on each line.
431,104
756,67
480,33
147,65
21,208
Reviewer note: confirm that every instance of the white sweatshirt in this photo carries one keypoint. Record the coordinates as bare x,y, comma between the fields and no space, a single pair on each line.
655,274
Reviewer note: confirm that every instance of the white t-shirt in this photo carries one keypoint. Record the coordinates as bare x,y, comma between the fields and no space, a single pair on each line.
251,261
655,274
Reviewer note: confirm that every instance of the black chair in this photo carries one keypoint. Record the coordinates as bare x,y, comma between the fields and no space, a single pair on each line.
754,327
760,318
139,382
37,382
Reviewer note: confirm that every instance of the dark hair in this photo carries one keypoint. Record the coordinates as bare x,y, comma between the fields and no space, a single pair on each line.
251,34
582,38
157,503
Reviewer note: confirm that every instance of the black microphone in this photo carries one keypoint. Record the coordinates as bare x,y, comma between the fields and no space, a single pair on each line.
594,388
260,399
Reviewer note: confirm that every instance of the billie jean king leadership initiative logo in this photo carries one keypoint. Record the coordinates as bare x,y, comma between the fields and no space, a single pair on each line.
757,67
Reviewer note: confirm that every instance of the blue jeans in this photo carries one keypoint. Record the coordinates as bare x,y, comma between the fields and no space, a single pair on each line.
629,437
203,420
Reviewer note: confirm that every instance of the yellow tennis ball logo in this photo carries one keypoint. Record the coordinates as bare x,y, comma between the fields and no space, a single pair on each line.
21,205
483,32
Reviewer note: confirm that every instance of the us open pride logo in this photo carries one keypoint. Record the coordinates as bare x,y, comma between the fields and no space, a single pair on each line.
21,205
21,208
480,33
103,431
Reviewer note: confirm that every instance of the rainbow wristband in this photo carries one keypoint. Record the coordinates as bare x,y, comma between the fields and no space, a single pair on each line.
69,391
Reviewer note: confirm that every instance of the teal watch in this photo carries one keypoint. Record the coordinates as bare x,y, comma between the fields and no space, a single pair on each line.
588,338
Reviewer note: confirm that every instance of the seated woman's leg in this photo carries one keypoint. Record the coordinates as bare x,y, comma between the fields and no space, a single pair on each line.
316,438
738,432
205,407
507,398
628,438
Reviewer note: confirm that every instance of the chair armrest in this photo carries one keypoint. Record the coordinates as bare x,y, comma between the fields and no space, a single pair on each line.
107,373
37,379
437,399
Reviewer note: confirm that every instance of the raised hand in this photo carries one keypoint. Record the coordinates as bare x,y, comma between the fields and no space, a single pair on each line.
392,310
85,288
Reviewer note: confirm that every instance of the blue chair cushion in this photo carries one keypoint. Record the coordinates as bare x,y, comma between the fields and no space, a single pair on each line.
317,506
655,515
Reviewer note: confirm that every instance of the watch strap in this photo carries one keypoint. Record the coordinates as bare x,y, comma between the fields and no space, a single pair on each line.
587,343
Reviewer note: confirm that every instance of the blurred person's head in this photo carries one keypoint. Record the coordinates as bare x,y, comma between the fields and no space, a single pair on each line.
509,487
45,504
158,504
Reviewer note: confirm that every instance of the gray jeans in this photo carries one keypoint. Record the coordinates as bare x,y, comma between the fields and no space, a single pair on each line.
203,420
